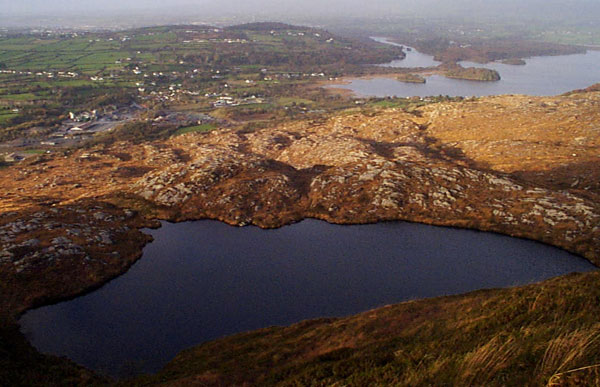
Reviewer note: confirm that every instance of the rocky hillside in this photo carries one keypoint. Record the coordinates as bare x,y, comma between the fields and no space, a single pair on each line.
490,164
516,165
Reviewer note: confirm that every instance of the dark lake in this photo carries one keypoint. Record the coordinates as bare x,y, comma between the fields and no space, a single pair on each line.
541,76
202,280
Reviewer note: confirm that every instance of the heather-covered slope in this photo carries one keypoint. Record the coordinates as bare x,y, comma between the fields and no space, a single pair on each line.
518,165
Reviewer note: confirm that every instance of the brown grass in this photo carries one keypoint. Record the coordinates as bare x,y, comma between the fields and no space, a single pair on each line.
481,365
514,337
568,349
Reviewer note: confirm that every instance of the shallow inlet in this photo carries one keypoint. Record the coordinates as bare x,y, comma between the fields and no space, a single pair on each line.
413,58
541,76
202,280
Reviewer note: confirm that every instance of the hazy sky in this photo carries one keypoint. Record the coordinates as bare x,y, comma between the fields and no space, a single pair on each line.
55,7
11,10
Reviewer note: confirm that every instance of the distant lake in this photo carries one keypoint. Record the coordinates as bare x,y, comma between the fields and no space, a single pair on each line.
541,76
203,280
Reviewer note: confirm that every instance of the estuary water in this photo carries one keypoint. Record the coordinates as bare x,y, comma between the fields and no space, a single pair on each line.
541,76
203,280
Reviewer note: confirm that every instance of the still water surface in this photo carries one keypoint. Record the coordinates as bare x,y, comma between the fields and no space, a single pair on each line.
413,57
202,280
541,76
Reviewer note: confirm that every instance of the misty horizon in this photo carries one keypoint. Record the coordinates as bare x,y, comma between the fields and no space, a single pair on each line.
148,12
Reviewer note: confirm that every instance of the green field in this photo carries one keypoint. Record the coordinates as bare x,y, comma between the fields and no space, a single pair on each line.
18,97
389,103
34,151
6,117
51,74
198,128
289,101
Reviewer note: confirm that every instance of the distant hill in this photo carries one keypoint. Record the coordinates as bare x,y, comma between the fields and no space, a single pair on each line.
265,26
267,44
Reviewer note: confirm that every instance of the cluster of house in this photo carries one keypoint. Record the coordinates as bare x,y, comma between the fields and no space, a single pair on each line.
230,41
226,100
61,33
84,116
165,96
48,74
290,75
290,33
13,158
90,122
183,119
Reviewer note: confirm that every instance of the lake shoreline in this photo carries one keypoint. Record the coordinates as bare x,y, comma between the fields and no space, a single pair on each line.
321,248
528,79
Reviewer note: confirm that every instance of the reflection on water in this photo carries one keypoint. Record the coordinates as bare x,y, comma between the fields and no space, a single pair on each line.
201,280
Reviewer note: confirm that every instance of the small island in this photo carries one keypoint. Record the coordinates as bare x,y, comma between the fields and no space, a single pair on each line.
411,78
472,74
514,62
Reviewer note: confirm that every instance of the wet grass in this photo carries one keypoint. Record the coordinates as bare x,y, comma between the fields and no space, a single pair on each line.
198,128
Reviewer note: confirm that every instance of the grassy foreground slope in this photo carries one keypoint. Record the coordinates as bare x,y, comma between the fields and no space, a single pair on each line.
533,335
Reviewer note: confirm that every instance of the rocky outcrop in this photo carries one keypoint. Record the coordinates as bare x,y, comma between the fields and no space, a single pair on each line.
348,173
52,253
243,189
